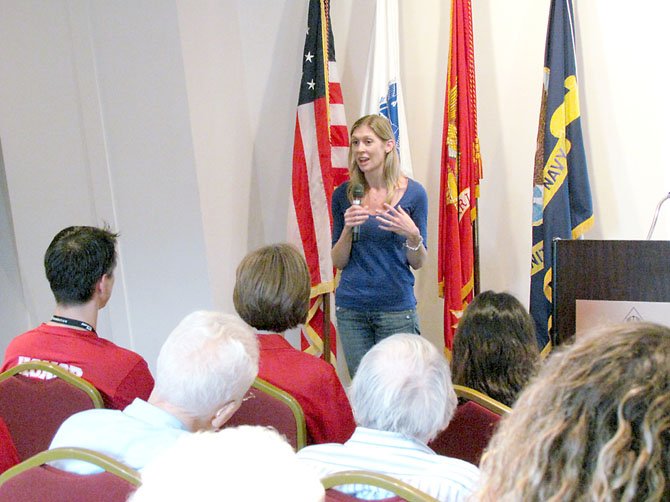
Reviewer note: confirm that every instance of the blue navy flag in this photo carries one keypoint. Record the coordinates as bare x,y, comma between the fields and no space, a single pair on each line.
561,193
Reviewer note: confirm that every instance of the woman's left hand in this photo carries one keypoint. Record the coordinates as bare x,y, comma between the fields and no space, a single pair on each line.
398,221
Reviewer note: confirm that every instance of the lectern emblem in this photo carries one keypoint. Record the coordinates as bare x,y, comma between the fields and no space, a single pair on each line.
633,316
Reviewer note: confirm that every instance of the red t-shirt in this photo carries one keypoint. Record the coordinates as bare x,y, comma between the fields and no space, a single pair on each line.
119,374
313,383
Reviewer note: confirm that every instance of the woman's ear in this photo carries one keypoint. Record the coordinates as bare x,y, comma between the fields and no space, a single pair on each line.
390,145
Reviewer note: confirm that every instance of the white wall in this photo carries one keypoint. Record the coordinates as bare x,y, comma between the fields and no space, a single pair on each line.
174,121
94,123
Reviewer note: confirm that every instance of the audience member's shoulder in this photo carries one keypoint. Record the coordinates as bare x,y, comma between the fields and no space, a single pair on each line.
72,427
316,362
130,356
456,464
316,450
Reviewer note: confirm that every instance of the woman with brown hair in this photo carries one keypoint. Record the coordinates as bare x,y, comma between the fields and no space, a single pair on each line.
594,424
272,295
495,351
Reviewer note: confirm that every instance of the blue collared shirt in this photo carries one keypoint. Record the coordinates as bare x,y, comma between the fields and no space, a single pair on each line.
447,479
133,436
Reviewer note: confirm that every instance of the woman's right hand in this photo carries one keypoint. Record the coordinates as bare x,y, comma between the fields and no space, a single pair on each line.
355,215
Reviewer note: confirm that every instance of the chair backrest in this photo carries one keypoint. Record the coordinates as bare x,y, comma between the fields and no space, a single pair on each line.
268,405
468,433
402,490
33,408
33,480
481,399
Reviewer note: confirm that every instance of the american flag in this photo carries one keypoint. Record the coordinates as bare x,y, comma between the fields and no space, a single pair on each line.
319,164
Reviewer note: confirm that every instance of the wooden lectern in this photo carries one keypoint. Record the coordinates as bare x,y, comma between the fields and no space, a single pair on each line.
605,270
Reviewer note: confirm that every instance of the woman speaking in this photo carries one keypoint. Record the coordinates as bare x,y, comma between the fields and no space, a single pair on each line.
379,232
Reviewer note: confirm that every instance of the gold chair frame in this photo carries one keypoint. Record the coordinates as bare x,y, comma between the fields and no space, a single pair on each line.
482,399
388,483
105,462
59,372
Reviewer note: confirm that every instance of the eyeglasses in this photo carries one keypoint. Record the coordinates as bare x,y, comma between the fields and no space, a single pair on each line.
250,395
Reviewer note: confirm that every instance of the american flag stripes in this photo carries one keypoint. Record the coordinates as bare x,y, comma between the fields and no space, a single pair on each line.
319,165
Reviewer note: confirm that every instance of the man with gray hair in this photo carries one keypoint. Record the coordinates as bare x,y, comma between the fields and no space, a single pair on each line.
402,397
204,369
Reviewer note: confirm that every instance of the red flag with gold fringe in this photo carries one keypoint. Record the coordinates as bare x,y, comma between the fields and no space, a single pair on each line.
461,171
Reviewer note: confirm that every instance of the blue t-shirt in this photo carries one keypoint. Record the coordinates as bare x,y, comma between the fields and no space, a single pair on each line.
378,275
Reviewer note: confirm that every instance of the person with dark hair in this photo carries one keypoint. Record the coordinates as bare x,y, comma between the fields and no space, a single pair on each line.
375,297
271,294
593,425
79,265
494,350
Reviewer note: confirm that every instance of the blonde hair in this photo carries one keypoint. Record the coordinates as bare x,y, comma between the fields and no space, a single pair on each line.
383,130
593,426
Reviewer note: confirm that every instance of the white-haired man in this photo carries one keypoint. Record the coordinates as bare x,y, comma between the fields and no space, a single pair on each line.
204,369
236,464
402,396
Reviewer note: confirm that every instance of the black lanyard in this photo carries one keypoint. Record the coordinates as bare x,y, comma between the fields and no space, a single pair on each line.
73,322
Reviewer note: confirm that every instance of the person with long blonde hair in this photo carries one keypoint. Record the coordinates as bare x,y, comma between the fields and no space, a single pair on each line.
593,426
375,296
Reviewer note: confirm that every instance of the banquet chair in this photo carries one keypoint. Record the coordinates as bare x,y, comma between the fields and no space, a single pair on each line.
33,479
471,427
268,405
401,490
34,407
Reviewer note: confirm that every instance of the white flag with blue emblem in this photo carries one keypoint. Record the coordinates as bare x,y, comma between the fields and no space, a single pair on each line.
383,92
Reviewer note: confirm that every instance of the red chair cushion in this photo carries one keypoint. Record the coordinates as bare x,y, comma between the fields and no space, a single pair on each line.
263,409
34,409
48,484
468,433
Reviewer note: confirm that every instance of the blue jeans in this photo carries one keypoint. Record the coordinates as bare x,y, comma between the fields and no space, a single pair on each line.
360,330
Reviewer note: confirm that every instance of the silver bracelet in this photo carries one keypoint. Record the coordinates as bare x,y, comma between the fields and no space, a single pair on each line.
414,248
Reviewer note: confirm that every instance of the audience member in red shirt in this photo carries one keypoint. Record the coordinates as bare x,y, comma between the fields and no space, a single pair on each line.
79,265
271,294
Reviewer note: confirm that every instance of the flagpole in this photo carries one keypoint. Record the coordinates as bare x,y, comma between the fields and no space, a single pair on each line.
475,250
325,298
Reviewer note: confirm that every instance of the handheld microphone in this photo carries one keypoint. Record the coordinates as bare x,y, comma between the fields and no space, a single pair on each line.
358,194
